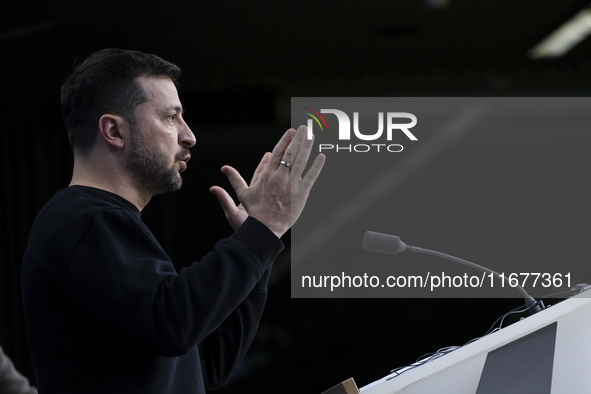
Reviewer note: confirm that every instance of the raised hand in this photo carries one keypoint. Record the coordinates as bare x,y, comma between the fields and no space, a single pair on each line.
279,188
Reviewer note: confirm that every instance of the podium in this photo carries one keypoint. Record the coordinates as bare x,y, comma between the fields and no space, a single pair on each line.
546,353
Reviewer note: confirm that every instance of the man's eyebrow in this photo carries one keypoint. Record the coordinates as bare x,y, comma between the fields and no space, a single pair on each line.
176,108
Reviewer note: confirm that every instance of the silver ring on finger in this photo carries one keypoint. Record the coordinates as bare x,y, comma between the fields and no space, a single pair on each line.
286,164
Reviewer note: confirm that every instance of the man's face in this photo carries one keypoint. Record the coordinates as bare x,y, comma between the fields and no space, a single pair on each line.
160,139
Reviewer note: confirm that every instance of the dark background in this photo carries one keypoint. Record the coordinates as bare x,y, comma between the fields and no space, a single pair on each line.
242,62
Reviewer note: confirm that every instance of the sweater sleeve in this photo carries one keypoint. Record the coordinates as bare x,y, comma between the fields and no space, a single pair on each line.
222,351
118,273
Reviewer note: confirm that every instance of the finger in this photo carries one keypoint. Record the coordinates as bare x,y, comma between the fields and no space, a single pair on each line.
227,203
300,139
238,183
313,172
233,213
302,146
280,149
260,168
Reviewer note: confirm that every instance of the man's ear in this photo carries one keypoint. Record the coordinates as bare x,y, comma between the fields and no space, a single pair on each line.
114,130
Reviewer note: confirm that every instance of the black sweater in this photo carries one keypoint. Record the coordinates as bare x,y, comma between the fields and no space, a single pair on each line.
107,313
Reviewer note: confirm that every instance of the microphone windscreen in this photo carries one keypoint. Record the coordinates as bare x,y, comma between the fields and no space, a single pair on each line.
383,243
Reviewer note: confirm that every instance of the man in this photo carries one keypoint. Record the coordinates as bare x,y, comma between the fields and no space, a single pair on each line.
105,310
11,381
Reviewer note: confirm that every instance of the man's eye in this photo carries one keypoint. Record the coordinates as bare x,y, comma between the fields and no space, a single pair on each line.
172,116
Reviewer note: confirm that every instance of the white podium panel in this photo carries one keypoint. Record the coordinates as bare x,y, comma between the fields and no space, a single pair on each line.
547,353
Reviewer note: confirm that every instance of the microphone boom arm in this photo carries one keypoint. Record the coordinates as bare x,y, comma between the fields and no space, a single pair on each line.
391,244
532,305
464,262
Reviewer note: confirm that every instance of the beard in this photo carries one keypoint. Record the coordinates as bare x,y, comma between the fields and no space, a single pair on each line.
149,168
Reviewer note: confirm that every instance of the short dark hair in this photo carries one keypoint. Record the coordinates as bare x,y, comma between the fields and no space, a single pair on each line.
106,82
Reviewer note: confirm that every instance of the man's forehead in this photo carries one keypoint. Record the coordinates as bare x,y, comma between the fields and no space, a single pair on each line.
159,88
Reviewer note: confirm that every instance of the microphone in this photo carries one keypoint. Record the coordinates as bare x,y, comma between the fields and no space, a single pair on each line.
391,244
